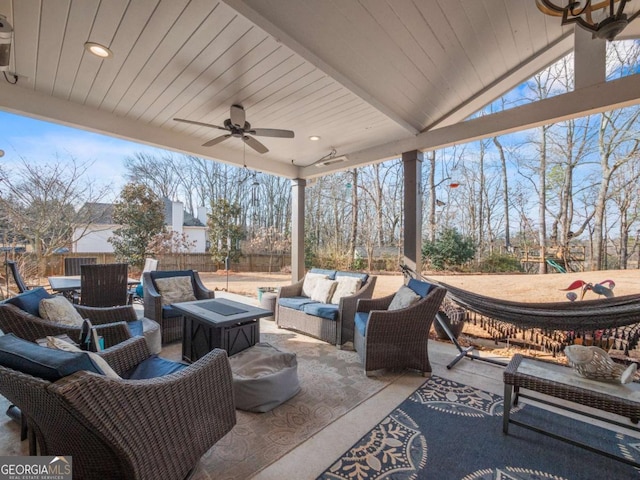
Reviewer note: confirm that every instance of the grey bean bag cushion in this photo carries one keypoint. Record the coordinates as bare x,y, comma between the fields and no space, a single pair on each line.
263,377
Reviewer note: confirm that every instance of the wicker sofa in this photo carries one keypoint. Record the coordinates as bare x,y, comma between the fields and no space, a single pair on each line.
330,322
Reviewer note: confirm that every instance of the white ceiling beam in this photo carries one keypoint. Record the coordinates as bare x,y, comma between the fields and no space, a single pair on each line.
590,100
287,40
516,77
22,101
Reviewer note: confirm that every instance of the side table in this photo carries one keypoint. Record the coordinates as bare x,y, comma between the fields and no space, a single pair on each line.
562,383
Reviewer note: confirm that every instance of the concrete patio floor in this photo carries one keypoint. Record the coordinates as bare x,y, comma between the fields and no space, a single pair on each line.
318,452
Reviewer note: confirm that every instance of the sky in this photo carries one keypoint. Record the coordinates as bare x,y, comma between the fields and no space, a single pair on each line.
39,141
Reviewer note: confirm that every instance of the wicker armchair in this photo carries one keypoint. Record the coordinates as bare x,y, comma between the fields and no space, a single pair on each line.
28,325
397,338
171,321
128,429
104,285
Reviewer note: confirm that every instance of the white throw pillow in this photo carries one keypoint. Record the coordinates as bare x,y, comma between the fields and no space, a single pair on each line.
346,287
175,289
60,310
309,283
58,343
403,298
323,291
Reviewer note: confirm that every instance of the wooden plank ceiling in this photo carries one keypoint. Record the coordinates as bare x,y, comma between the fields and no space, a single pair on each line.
359,74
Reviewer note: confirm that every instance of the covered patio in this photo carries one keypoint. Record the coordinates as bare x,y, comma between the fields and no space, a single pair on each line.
305,436
357,82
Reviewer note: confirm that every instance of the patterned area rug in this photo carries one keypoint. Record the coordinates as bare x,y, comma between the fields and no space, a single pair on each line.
332,383
446,430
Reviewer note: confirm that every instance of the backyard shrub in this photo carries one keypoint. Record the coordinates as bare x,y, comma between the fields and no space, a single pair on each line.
449,250
500,262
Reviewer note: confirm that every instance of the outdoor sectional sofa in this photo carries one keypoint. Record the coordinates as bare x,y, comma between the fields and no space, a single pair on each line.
331,318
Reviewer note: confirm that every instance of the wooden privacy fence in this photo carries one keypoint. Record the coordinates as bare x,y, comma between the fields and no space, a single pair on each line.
201,262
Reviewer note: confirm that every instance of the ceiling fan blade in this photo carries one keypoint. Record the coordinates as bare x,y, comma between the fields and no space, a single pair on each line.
200,124
237,115
255,144
271,132
215,141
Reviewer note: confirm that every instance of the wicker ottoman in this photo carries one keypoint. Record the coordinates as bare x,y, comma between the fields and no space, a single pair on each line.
263,377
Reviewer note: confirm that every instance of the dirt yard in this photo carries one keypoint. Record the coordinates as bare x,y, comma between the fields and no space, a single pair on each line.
521,287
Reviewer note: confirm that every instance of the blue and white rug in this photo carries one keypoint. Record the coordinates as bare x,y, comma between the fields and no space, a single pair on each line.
446,431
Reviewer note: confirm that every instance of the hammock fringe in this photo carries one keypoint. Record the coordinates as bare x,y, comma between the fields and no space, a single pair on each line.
595,314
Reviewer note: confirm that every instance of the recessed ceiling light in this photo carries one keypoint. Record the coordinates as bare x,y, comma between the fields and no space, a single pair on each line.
314,138
98,50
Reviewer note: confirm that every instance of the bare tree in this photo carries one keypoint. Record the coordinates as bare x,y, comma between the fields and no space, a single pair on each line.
41,201
505,192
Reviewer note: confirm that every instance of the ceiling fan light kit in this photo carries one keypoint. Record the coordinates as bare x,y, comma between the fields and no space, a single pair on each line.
604,18
238,127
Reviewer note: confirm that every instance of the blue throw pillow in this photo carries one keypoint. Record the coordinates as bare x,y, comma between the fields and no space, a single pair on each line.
421,288
29,301
46,363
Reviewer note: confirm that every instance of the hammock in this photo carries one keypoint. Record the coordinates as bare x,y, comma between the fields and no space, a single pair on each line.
585,315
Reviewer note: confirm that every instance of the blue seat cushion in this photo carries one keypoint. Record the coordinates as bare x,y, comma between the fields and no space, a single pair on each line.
362,276
329,273
323,310
46,363
169,312
361,320
295,303
29,301
135,328
420,288
154,367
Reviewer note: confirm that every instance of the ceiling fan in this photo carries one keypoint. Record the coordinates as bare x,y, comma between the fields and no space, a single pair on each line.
238,127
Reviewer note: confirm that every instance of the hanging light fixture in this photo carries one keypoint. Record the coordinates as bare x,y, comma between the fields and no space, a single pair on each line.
604,18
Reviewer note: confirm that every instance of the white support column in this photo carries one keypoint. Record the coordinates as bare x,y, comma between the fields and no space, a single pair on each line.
412,163
590,59
297,228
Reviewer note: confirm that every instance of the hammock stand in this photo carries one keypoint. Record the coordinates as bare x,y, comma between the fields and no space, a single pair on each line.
586,315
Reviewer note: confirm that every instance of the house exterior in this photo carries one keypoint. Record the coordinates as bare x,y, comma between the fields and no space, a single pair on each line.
93,237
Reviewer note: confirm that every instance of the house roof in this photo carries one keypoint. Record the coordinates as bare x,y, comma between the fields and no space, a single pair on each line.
188,221
102,214
372,79
97,213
